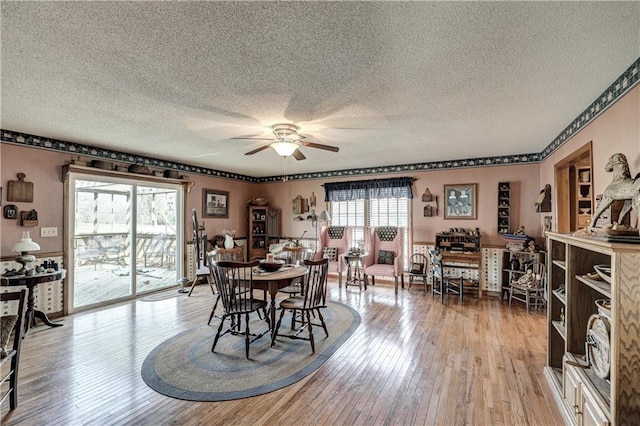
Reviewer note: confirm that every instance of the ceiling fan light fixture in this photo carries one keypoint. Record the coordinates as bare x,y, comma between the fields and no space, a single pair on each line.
284,148
282,130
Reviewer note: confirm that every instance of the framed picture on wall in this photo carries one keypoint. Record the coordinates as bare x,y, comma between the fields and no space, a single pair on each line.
215,203
461,201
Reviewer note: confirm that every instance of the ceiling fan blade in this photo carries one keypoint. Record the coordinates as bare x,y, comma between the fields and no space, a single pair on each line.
320,146
253,139
262,148
298,155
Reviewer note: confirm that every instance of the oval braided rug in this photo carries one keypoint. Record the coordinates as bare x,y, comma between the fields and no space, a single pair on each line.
184,367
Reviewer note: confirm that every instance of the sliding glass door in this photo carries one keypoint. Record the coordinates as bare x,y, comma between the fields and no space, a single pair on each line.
123,238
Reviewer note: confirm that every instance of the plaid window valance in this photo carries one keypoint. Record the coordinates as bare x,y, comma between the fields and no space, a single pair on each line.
369,189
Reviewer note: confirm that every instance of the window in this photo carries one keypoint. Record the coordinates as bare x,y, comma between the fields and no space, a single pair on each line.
371,203
350,213
363,214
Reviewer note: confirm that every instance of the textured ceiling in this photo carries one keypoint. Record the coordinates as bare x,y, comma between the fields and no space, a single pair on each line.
387,82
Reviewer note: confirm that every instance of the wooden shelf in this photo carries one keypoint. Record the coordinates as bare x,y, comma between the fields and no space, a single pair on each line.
560,296
601,286
524,258
258,242
561,329
582,396
504,207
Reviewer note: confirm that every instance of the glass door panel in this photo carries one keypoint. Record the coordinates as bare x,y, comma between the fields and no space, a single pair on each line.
156,232
124,239
101,242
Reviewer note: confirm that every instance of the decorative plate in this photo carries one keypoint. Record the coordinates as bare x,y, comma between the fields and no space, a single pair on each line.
604,271
598,345
604,308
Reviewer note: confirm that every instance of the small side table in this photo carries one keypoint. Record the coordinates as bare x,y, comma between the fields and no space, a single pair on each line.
354,266
31,282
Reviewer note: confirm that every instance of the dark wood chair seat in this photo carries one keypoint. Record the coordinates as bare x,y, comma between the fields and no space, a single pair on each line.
311,301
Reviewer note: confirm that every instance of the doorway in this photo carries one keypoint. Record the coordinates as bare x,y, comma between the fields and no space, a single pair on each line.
123,238
574,183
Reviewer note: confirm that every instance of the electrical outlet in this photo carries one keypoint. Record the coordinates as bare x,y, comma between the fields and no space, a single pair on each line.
49,232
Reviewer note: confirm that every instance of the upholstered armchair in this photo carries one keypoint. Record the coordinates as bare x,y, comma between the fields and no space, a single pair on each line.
384,256
334,242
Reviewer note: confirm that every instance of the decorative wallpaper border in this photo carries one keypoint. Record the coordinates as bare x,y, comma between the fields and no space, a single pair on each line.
623,84
404,168
25,139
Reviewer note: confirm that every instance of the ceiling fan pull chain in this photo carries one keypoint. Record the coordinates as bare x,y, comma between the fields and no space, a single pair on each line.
284,162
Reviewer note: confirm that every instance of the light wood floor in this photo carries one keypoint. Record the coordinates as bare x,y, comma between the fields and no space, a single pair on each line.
411,361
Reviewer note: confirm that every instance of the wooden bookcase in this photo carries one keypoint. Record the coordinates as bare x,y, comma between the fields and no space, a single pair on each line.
257,239
582,396
504,207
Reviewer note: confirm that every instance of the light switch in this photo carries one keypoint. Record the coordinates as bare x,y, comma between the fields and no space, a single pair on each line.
49,232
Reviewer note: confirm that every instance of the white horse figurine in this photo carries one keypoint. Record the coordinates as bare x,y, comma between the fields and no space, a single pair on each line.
623,187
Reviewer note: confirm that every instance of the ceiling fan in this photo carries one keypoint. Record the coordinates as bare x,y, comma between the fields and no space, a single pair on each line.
288,141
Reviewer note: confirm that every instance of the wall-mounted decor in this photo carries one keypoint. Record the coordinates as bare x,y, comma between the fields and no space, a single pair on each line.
29,218
312,200
299,205
543,205
20,190
427,196
215,203
430,210
504,207
10,211
461,201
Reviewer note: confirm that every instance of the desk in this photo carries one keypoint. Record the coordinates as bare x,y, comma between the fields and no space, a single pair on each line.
31,282
466,261
274,281
354,264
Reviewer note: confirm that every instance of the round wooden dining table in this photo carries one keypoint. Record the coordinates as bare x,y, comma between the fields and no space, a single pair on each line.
274,281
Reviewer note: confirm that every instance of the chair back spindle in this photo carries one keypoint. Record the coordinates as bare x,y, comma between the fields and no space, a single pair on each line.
315,283
234,282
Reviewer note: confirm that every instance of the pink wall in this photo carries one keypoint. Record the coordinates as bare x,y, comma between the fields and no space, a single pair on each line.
44,169
615,130
525,184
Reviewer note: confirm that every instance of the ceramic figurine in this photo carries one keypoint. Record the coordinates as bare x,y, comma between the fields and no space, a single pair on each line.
622,187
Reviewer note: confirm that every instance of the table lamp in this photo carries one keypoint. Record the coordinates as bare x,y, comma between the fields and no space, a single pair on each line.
24,246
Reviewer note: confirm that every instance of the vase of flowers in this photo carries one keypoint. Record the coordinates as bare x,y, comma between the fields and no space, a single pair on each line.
228,238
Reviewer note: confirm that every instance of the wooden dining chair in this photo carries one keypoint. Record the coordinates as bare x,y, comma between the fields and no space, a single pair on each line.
234,282
312,300
530,288
419,271
295,256
443,284
233,255
11,353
